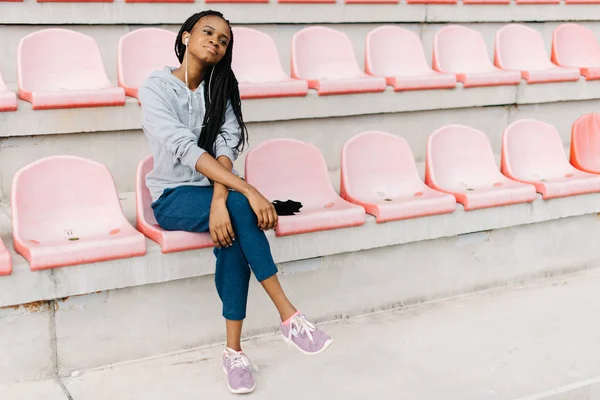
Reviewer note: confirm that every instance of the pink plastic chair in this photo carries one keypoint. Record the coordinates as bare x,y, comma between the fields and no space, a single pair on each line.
160,1
234,1
169,241
372,1
486,1
8,99
521,48
140,53
585,143
432,1
379,173
538,1
398,55
306,1
325,58
66,211
460,161
576,46
461,51
288,169
5,260
74,1
60,68
532,152
258,69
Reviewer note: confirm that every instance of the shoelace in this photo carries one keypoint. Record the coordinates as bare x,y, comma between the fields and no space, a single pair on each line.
300,325
240,360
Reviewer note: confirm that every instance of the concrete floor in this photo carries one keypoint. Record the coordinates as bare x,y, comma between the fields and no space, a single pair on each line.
537,341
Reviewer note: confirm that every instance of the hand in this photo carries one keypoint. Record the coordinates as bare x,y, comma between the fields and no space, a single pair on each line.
219,225
264,210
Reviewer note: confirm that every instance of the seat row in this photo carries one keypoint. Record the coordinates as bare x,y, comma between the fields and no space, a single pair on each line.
332,1
53,76
66,210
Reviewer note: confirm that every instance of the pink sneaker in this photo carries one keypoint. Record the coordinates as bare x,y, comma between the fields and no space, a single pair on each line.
236,365
305,336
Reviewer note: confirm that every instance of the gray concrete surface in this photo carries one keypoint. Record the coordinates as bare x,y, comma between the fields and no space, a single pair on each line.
538,341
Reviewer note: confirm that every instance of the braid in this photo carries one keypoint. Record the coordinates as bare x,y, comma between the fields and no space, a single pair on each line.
223,87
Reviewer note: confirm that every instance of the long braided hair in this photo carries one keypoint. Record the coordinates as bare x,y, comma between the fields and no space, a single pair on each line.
222,86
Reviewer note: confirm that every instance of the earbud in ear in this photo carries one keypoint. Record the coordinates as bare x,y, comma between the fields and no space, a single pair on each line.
187,41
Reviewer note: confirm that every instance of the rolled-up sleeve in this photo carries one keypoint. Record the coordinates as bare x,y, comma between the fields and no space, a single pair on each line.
229,136
161,122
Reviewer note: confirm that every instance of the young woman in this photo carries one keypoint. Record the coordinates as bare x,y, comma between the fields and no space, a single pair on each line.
193,121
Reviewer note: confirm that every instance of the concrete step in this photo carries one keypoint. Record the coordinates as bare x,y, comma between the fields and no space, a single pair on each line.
536,341
72,318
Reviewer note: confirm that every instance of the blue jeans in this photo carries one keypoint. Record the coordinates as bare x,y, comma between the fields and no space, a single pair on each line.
187,208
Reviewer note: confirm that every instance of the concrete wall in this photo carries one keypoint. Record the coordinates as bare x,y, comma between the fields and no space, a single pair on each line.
125,324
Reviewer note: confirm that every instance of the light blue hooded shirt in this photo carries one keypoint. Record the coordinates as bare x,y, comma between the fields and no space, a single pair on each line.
172,117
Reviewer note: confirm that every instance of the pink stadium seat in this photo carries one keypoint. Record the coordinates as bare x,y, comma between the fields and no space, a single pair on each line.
8,99
461,51
307,1
432,1
538,1
532,152
234,1
169,241
160,1
140,53
585,143
258,69
576,46
460,161
379,173
288,169
5,260
372,1
53,74
397,54
486,1
325,58
66,211
74,1
582,1
521,48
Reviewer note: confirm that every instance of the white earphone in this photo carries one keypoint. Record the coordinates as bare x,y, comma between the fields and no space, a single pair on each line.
187,41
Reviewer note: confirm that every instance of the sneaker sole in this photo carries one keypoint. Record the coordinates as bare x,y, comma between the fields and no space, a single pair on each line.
241,390
314,353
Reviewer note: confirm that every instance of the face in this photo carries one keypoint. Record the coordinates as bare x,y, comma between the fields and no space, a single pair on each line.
209,39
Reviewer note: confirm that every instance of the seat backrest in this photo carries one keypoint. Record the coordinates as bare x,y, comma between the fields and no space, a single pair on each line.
574,45
143,199
256,58
143,51
585,142
377,160
323,53
289,168
460,151
534,146
459,49
390,51
66,190
520,47
60,59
